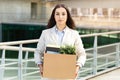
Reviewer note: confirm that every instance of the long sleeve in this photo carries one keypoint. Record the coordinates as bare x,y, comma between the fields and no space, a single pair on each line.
40,49
80,51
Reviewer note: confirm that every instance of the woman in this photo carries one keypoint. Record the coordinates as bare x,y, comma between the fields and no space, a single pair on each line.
60,31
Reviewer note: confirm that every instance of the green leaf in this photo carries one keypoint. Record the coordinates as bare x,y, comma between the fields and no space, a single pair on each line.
67,49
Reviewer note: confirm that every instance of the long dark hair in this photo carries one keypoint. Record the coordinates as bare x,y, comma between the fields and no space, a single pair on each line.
70,23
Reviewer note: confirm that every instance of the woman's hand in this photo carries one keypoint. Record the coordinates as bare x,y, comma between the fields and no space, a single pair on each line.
77,69
41,69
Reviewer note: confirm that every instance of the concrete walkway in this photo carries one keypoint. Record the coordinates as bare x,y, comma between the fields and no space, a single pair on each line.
109,75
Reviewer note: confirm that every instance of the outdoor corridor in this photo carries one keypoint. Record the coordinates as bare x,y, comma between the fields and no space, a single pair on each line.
113,74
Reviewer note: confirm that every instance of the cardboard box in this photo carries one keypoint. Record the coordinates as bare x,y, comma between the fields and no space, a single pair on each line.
59,66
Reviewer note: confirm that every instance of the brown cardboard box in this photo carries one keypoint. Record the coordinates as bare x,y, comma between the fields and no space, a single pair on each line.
59,66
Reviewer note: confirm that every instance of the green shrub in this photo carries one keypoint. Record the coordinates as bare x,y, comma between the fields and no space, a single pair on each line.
67,49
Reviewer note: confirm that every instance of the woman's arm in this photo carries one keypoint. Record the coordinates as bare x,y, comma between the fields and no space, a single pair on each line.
38,55
80,51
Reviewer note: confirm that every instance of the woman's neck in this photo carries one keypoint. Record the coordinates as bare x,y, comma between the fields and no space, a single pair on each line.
61,27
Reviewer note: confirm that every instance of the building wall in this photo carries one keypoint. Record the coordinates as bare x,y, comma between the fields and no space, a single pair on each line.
20,10
93,3
14,9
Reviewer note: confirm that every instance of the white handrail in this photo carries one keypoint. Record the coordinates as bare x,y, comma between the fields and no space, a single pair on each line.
98,34
14,48
18,42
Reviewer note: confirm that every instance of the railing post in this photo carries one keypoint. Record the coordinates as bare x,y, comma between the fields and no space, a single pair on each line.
95,56
25,63
3,65
117,54
106,66
20,66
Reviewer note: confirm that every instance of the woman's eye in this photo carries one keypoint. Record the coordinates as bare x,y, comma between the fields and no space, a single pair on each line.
63,14
57,13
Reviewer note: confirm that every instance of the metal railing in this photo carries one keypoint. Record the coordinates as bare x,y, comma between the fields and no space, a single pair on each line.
99,58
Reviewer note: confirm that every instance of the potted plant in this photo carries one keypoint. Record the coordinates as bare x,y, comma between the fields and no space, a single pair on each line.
67,49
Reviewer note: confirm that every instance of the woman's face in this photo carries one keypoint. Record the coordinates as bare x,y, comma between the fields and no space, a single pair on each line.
60,16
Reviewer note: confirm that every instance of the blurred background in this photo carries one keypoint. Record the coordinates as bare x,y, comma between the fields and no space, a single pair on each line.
21,24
